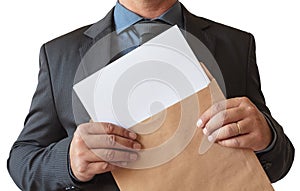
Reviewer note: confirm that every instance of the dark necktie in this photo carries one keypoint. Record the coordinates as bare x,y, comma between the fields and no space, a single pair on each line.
146,30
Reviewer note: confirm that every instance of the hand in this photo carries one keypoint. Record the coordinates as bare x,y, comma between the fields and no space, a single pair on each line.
99,147
239,123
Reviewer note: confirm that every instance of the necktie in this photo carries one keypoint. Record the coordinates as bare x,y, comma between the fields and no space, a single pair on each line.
146,30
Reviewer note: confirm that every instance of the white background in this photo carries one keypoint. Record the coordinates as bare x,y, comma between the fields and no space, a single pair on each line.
26,25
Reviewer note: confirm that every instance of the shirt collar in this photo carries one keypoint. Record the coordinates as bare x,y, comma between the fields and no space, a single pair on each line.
124,18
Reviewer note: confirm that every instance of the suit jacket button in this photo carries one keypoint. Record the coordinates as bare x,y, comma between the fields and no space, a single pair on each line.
70,188
267,165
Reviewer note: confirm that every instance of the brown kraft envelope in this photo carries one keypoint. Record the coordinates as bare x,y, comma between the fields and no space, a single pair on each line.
218,169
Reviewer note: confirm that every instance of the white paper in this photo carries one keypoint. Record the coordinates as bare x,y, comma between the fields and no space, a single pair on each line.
145,81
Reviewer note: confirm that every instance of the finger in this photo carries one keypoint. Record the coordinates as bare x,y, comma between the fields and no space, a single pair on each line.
209,113
107,128
80,152
111,155
120,164
216,108
99,167
111,141
225,132
97,155
243,141
222,118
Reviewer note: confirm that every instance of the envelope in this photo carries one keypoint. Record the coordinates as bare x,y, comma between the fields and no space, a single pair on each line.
219,168
175,154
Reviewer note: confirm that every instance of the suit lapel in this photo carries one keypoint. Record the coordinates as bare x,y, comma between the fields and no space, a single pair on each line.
97,31
95,50
197,27
205,51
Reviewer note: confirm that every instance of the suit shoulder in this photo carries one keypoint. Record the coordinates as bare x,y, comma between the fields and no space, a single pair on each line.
69,39
222,30
226,28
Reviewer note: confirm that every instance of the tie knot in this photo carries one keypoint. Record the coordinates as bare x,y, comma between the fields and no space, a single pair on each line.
147,30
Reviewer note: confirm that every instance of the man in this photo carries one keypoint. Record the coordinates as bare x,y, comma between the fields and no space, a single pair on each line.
52,153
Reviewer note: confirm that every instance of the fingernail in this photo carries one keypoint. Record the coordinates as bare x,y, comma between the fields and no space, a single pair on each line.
137,146
210,138
205,131
133,156
124,163
132,135
199,123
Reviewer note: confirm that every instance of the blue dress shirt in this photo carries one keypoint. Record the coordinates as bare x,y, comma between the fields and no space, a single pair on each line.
126,38
125,18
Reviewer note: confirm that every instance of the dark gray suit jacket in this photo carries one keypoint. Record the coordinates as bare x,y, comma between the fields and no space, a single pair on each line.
39,158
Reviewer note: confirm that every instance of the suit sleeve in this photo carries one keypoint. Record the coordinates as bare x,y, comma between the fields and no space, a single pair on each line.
39,158
278,158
